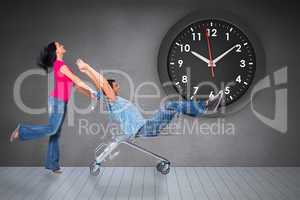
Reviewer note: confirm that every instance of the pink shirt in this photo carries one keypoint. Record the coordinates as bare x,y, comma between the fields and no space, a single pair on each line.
62,84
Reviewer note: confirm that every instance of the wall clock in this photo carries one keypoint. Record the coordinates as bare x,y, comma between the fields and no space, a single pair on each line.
202,54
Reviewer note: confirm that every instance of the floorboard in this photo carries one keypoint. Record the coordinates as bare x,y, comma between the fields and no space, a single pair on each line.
136,183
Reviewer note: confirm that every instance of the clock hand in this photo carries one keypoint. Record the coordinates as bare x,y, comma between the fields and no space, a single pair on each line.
224,54
211,64
200,57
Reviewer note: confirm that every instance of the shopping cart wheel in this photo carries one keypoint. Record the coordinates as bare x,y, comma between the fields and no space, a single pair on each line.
163,167
94,168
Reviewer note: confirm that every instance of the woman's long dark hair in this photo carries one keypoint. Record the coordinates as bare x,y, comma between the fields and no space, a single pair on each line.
47,56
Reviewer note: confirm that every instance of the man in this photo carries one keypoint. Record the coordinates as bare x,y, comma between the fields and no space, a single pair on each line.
131,121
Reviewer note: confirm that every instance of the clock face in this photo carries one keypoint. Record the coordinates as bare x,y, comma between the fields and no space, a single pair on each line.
210,55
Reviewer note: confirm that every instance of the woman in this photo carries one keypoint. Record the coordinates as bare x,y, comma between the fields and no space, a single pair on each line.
52,57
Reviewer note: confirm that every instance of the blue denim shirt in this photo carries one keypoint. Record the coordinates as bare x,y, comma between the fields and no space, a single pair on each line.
124,113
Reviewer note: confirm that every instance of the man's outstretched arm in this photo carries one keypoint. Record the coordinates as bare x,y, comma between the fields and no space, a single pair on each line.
98,79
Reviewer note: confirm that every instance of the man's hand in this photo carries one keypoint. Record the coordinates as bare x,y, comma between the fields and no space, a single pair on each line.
82,66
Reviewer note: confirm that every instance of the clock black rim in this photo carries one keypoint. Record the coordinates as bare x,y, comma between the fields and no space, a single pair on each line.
228,17
218,21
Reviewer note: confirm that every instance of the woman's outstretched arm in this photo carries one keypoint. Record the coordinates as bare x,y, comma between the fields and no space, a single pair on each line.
79,84
84,92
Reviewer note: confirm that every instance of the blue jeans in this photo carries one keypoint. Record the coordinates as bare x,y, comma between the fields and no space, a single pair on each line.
57,110
165,114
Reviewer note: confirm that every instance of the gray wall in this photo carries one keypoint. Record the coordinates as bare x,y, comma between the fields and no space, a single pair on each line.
126,35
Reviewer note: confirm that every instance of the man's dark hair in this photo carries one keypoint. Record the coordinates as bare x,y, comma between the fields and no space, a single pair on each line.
111,81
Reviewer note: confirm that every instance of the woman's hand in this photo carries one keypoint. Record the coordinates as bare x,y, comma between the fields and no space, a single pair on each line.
82,66
94,95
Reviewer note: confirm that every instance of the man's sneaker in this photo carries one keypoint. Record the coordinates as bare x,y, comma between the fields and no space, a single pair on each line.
214,102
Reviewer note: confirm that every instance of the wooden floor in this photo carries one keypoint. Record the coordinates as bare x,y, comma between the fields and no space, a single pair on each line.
211,183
